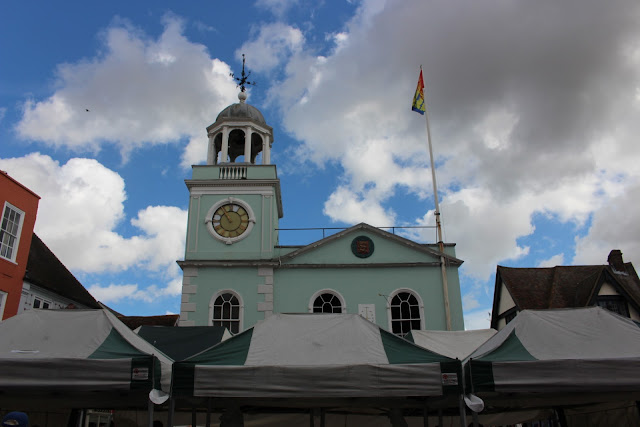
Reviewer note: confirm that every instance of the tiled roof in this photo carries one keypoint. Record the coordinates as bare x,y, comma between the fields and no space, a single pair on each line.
564,286
44,269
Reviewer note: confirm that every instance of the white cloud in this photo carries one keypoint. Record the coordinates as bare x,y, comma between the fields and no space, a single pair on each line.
82,204
347,207
113,293
615,226
469,302
273,44
525,119
478,319
140,92
277,7
553,261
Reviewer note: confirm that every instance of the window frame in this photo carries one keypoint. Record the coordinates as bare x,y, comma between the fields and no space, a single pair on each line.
42,301
617,299
14,249
240,319
390,319
343,303
3,303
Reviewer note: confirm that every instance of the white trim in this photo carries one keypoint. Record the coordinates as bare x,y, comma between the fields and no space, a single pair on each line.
3,303
343,303
14,253
420,303
229,240
240,301
206,190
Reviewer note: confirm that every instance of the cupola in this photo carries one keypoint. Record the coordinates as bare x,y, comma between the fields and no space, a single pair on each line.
239,131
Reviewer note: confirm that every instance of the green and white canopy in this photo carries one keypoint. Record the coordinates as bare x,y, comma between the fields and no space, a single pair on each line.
316,356
582,350
79,358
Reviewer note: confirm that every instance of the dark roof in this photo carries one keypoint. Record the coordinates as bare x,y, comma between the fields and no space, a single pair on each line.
565,286
134,322
183,342
44,269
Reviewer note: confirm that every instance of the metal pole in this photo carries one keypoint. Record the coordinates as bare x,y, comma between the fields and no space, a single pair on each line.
208,420
425,411
172,405
463,412
150,413
445,285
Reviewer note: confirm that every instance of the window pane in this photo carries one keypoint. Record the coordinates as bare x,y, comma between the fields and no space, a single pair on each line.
36,303
404,308
327,303
415,312
226,310
405,313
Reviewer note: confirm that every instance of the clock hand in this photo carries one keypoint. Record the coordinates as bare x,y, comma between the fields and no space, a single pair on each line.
226,214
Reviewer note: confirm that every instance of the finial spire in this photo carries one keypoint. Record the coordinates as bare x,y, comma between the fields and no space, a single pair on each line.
242,80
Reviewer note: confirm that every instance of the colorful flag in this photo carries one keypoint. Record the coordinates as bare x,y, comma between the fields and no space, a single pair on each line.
418,98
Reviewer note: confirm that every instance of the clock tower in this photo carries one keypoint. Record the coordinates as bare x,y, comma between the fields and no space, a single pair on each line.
236,273
234,208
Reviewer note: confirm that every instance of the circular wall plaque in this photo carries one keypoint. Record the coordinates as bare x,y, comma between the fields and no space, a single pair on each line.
362,247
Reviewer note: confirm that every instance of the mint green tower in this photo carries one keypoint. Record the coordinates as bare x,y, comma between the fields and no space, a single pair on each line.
236,273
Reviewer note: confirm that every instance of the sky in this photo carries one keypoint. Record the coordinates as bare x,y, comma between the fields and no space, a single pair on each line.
533,106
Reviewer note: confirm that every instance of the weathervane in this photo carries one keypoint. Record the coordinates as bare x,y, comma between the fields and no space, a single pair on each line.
242,81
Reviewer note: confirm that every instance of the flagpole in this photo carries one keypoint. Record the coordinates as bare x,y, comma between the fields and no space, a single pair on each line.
443,267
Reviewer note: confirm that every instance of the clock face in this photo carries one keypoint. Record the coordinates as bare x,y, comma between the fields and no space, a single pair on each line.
230,220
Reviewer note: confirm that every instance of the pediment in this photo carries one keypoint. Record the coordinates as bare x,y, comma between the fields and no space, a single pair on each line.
365,245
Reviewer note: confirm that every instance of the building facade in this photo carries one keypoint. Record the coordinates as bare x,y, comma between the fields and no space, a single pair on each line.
19,210
236,272
48,284
614,286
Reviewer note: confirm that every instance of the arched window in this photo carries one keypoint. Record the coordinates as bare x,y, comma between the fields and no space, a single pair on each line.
405,312
327,301
226,310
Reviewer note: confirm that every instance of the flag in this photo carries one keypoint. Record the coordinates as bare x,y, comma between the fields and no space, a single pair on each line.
418,98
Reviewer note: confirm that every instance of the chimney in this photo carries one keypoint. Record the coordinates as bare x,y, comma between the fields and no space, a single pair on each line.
615,260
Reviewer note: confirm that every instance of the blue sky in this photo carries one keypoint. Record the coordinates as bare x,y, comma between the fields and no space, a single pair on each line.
533,106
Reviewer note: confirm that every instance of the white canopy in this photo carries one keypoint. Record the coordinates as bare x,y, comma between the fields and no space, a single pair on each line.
78,358
454,344
316,355
558,357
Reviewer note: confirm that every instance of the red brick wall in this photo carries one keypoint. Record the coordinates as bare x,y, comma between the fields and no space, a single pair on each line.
11,274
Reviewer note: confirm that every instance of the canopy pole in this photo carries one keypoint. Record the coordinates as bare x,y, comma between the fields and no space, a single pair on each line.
463,412
474,416
172,404
194,420
208,420
150,413
425,412
440,417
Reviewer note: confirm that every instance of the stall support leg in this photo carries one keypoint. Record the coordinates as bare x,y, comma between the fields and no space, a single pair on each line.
208,421
463,412
194,419
425,413
172,405
440,417
150,413
474,416
561,417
